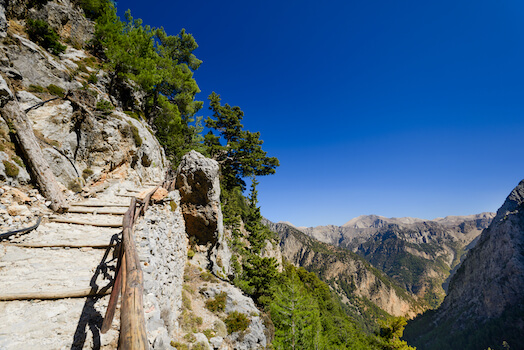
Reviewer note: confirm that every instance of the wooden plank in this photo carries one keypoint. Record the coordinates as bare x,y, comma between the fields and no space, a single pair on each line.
99,204
80,293
63,245
86,222
96,210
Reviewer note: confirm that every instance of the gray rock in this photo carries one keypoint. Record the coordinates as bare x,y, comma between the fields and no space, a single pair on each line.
198,182
5,92
202,339
3,20
68,21
216,342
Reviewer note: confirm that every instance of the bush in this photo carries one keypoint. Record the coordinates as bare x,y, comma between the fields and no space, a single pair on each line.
75,186
36,88
104,106
218,303
179,346
236,322
92,79
86,173
55,90
11,169
136,136
92,8
40,32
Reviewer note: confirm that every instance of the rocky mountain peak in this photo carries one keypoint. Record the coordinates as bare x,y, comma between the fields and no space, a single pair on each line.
485,298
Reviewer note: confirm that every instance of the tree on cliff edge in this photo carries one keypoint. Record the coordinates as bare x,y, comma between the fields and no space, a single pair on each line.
242,155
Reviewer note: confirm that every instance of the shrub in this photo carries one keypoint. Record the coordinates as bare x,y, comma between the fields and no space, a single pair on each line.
92,79
40,32
86,173
179,346
236,322
75,186
36,88
209,333
218,303
190,253
136,136
200,346
18,161
92,8
11,169
208,277
55,90
104,106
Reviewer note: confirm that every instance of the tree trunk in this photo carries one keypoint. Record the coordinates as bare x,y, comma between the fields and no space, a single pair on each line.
38,166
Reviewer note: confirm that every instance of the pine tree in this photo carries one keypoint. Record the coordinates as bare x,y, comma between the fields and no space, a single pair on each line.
242,155
296,316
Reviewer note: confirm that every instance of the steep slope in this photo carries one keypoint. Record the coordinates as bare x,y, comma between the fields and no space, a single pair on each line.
359,285
485,301
418,254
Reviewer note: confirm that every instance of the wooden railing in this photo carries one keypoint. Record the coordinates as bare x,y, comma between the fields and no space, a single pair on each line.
129,281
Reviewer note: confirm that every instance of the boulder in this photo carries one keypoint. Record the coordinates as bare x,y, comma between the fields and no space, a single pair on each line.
198,182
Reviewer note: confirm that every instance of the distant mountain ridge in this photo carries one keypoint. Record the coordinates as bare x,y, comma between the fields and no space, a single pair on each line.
363,289
419,254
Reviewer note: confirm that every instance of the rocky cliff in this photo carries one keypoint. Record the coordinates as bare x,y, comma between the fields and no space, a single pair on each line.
485,302
418,254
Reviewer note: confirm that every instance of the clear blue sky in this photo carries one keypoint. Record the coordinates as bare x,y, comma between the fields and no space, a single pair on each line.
394,108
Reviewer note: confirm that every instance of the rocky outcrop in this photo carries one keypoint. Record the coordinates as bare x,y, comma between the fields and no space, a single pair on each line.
67,20
485,303
198,182
349,275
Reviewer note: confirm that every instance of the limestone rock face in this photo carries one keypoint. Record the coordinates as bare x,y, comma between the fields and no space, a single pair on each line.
68,21
198,182
485,302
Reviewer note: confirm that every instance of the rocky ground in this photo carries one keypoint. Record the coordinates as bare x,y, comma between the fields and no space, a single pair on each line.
57,260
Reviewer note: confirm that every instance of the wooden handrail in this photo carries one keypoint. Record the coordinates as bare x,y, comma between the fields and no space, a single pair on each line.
129,282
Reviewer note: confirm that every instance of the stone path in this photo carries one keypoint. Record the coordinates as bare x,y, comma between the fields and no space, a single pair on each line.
60,259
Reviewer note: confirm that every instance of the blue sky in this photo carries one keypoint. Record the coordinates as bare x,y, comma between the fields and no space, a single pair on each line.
394,108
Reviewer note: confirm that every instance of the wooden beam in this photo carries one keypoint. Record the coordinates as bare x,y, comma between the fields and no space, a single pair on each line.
99,204
33,154
86,222
133,334
79,293
96,210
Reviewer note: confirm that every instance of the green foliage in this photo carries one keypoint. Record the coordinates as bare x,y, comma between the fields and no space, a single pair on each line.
40,32
86,173
218,303
18,161
200,346
242,155
179,346
236,322
190,252
390,333
93,8
36,88
11,169
92,78
162,67
209,333
208,277
104,106
74,186
55,90
136,135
